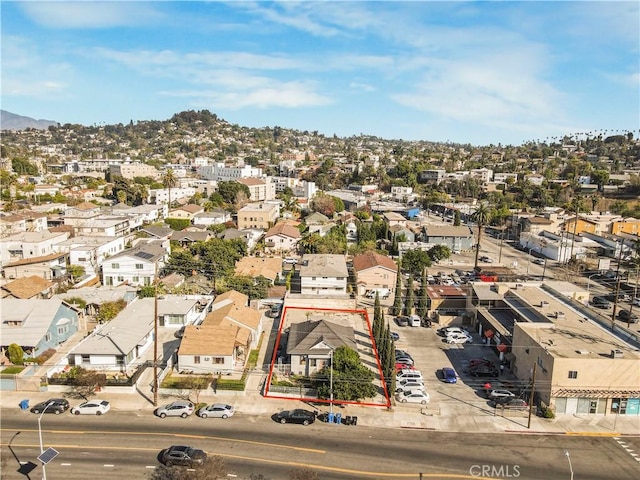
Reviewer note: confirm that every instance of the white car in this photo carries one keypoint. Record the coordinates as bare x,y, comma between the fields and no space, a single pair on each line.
636,301
175,409
217,410
408,375
450,330
408,385
456,338
501,393
413,396
92,407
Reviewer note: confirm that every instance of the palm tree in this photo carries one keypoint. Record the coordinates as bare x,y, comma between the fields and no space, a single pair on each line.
481,216
169,180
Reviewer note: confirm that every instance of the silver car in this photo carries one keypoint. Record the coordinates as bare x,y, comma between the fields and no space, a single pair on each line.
217,410
175,409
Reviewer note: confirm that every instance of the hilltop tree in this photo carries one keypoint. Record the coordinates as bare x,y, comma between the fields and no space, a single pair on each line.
481,216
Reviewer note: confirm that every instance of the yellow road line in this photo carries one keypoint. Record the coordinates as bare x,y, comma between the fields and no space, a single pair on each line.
593,434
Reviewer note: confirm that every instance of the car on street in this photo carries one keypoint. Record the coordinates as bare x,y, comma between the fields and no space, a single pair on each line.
459,338
501,393
600,302
513,403
53,405
92,407
486,259
480,361
627,316
394,336
636,302
175,409
483,371
413,396
183,455
449,375
451,330
539,261
216,410
408,375
298,415
409,384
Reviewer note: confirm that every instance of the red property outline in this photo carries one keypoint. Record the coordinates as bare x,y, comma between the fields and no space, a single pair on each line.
365,315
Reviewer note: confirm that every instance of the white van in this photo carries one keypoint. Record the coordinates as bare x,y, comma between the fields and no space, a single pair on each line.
414,321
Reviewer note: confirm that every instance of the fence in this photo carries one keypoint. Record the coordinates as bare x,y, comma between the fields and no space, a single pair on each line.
294,391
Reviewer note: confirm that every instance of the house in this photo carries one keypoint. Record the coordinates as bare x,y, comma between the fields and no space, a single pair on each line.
26,245
135,266
185,238
28,287
311,344
118,344
322,274
214,217
230,308
446,302
187,212
374,272
157,232
281,238
213,349
258,215
399,231
456,238
259,189
267,267
95,297
316,218
51,267
180,310
36,324
90,252
22,221
626,225
394,218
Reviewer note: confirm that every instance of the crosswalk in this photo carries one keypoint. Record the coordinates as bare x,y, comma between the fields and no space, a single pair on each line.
630,451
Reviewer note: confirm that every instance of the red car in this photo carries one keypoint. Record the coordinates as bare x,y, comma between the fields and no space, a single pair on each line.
474,362
404,366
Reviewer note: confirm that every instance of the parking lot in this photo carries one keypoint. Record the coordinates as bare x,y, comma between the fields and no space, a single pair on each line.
431,353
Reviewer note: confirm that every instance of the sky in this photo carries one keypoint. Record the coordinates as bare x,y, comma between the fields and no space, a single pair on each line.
469,72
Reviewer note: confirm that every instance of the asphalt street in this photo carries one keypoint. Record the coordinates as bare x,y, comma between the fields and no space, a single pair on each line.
127,445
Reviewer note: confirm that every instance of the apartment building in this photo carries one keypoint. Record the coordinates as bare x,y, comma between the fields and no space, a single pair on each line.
261,215
131,170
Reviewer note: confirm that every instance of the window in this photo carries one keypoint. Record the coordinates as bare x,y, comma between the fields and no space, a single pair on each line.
573,374
47,338
120,278
115,266
135,279
109,281
62,330
196,359
139,266
218,360
86,359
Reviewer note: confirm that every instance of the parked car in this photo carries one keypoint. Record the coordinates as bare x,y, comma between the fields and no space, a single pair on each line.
408,385
394,336
483,371
53,405
450,330
413,396
216,410
299,415
600,302
409,375
636,302
400,366
402,353
486,259
449,375
402,321
539,261
175,409
627,316
459,338
513,403
92,407
480,361
183,455
500,393
290,261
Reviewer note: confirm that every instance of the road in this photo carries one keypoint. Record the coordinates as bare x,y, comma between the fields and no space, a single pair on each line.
127,444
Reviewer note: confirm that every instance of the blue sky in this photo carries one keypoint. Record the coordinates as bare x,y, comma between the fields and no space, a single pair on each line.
471,72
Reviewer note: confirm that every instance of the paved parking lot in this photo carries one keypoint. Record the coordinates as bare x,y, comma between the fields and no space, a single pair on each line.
431,354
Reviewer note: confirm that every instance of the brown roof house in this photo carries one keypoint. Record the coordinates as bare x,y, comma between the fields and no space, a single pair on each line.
375,272
281,238
188,211
267,267
28,287
210,348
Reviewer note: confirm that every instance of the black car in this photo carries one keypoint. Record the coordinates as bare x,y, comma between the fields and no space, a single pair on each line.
299,415
483,370
183,455
627,316
513,403
600,302
53,405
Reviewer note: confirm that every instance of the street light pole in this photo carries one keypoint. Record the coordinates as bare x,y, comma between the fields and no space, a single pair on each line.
44,469
566,452
331,383
589,284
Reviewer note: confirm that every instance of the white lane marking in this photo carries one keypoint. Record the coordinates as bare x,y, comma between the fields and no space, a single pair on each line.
65,464
150,466
108,465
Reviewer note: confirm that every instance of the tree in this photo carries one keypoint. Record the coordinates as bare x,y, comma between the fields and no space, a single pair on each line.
408,302
169,180
15,354
456,218
352,380
75,272
415,261
177,224
325,205
229,191
214,468
439,252
397,301
481,216
85,382
422,299
109,310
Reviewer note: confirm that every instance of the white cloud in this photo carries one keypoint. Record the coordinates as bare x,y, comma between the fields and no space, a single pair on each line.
89,14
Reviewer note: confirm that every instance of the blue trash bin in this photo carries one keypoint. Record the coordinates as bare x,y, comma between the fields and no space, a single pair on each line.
24,404
338,418
330,417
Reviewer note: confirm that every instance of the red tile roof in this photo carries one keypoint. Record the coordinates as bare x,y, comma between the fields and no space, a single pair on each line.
372,259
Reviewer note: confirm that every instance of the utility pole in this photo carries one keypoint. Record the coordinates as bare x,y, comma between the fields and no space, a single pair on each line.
533,386
615,300
155,338
331,383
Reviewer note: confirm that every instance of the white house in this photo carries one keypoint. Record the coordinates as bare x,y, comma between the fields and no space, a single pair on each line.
219,172
323,275
26,245
215,217
90,252
179,310
135,266
282,237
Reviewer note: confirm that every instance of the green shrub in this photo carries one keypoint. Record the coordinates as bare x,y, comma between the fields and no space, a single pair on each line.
230,384
15,369
15,354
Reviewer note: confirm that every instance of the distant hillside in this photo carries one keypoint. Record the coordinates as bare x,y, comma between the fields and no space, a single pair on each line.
11,121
